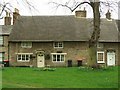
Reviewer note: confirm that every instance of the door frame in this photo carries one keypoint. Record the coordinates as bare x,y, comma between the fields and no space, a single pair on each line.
113,53
40,53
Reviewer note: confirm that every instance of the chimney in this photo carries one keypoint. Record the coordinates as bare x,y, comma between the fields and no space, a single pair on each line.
7,19
80,13
108,15
15,15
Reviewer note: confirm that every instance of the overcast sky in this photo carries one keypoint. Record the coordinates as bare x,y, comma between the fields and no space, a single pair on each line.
41,7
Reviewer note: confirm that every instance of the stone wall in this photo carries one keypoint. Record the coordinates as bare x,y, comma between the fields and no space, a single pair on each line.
74,51
110,47
4,48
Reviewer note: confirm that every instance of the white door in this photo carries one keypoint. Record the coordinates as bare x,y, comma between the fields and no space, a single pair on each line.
40,60
111,58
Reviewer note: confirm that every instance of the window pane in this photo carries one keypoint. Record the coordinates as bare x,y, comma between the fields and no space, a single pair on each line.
19,57
100,56
58,57
27,57
54,57
62,57
23,57
60,44
56,44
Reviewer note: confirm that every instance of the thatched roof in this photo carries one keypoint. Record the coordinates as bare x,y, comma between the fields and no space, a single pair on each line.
60,28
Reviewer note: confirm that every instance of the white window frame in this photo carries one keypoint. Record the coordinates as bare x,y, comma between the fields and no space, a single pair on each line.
101,52
1,40
26,44
58,44
60,56
29,54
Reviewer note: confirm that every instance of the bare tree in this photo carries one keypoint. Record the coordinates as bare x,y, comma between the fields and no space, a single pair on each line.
7,6
93,41
3,7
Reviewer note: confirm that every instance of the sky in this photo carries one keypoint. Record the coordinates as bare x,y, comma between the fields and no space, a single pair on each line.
44,7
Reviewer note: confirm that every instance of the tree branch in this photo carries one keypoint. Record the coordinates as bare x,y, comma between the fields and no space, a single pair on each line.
80,4
3,8
61,5
71,9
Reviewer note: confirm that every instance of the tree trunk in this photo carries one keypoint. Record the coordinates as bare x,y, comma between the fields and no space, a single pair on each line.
95,35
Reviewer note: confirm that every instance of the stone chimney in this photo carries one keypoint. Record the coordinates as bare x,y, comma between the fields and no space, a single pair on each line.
15,15
80,13
7,19
108,15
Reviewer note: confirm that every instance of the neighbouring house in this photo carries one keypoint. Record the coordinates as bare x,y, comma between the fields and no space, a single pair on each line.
61,40
5,31
4,35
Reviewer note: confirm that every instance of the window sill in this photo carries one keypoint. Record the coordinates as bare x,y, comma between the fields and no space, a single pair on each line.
58,47
58,61
100,62
23,61
27,47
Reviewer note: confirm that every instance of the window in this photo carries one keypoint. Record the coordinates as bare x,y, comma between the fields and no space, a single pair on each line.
24,57
58,44
1,40
1,57
100,57
26,44
58,57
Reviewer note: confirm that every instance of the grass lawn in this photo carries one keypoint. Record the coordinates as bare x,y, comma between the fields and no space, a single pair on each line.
74,77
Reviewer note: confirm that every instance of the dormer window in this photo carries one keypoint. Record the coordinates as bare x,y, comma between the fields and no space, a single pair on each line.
26,44
58,44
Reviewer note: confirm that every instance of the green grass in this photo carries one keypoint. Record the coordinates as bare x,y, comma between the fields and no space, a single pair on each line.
0,79
73,77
